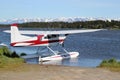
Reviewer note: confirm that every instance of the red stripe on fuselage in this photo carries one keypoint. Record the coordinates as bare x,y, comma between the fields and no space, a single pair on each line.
37,42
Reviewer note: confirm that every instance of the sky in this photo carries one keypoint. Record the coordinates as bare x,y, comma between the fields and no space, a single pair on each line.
10,9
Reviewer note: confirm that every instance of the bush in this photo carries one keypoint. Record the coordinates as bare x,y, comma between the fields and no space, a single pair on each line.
112,60
111,64
104,61
6,52
9,59
23,54
14,55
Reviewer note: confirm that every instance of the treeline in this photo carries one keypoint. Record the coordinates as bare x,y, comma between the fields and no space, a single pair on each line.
85,24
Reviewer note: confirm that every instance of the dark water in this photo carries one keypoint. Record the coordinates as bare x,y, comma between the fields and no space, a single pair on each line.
93,48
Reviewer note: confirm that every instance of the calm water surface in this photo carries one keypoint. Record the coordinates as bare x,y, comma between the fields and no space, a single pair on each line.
93,48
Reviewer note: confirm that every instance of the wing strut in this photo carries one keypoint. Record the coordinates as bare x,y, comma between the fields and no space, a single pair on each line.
51,50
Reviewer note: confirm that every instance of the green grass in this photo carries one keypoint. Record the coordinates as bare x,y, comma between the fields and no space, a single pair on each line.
9,59
111,64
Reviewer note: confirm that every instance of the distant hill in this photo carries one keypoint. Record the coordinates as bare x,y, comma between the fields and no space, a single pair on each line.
62,19
76,23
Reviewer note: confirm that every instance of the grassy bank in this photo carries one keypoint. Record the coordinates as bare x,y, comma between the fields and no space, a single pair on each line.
111,64
9,59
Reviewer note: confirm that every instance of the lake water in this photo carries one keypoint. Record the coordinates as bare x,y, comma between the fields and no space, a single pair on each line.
93,48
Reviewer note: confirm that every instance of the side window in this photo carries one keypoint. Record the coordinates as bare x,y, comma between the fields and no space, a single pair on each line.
51,36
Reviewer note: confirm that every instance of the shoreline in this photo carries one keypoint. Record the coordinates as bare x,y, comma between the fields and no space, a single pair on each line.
56,72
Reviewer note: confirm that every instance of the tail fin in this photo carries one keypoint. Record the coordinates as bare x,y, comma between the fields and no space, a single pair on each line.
15,34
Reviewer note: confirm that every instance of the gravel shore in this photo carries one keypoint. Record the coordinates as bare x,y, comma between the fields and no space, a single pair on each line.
55,72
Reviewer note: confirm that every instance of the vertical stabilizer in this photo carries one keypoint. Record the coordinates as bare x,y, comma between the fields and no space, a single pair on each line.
15,34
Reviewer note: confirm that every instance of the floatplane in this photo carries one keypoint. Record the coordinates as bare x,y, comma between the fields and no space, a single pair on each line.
44,38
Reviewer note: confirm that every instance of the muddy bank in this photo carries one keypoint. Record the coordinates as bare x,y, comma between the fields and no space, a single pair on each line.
53,72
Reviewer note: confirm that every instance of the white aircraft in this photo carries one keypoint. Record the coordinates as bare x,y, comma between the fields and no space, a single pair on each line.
44,38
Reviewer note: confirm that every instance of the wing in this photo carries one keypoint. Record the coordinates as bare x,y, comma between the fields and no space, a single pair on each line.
55,32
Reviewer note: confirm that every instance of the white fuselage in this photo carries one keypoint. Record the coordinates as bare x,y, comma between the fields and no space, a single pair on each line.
40,40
